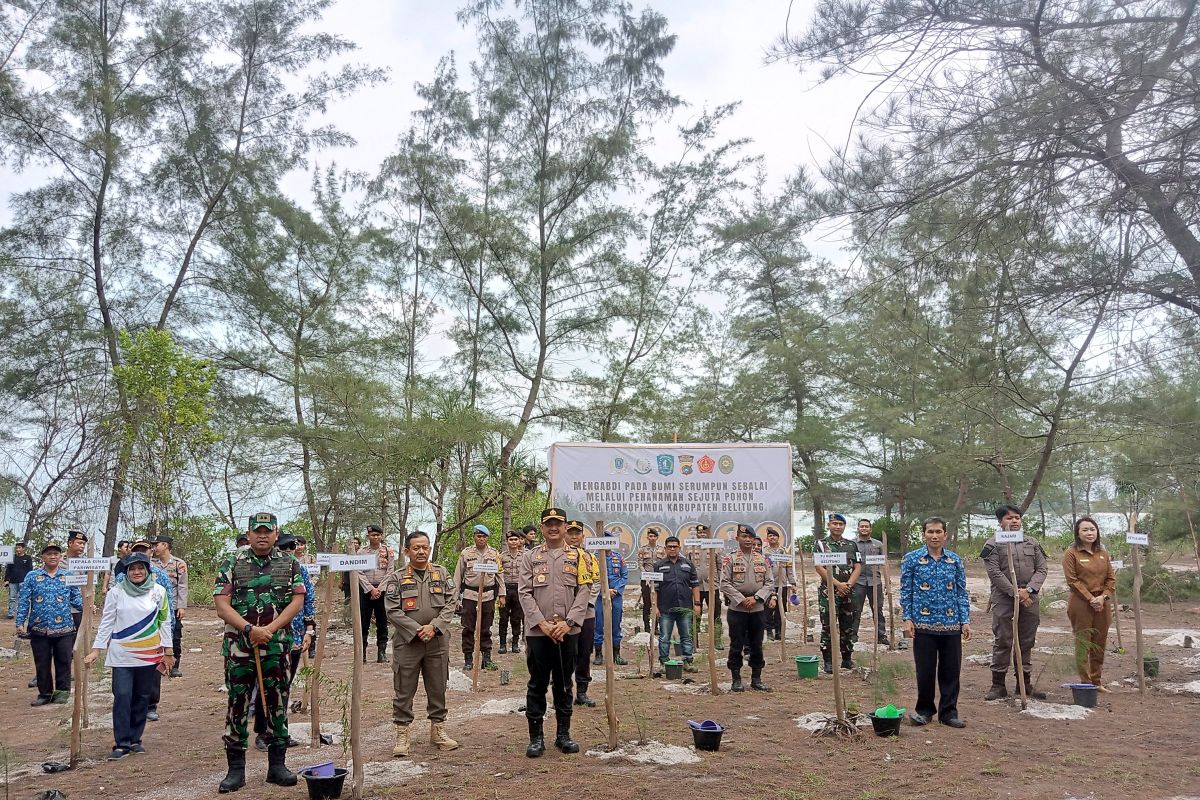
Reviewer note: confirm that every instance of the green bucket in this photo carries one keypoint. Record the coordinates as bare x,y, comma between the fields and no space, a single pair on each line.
807,666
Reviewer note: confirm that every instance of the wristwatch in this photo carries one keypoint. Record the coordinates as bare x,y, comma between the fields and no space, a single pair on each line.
246,629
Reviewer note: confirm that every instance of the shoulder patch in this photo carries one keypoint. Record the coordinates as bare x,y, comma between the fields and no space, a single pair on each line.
987,550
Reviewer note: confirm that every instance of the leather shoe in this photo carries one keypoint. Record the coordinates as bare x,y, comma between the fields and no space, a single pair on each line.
40,701
918,719
954,722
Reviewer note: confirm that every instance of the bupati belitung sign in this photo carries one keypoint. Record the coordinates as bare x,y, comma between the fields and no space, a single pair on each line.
674,487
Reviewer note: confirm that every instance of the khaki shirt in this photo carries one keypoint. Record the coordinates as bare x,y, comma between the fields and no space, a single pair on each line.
467,579
785,574
373,578
176,569
414,599
747,576
1089,574
549,586
648,556
1029,559
699,559
510,563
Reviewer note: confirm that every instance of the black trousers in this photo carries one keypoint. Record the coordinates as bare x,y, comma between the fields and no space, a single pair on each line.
469,612
939,657
177,638
511,614
774,623
646,606
745,629
52,651
373,608
552,665
583,656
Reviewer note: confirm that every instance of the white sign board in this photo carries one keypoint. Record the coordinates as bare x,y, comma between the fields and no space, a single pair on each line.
652,576
323,559
780,559
874,560
75,579
1137,538
1009,537
88,564
485,568
339,563
601,543
829,559
704,544
6,554
1118,563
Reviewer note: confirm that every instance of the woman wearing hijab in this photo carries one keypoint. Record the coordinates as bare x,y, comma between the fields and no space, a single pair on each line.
1089,573
136,632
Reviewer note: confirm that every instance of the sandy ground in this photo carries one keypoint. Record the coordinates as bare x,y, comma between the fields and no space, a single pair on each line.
1130,745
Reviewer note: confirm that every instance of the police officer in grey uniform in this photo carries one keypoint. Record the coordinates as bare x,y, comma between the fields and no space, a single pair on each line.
748,585
1030,562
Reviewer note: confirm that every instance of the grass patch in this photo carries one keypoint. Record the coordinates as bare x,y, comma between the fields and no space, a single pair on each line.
992,770
982,741
1075,761
1116,774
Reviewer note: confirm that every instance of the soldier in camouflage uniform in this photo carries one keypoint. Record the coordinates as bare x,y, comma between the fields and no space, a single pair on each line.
257,592
843,587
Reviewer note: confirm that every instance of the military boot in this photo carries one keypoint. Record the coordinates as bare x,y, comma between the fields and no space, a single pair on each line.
847,662
737,680
235,778
537,742
581,697
617,657
516,647
401,748
1030,691
998,690
756,680
438,737
598,660
562,736
277,771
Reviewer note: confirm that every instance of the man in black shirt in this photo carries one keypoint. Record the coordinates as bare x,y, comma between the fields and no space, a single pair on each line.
678,599
14,575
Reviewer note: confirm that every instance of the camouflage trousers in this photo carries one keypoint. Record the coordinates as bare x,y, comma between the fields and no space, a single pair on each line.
240,681
844,610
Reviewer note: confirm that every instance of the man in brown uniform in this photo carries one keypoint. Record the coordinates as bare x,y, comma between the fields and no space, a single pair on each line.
748,584
370,592
648,555
699,558
467,581
510,604
554,587
583,661
784,568
1030,562
420,606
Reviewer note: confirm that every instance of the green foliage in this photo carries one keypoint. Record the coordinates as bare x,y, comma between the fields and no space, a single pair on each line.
1159,584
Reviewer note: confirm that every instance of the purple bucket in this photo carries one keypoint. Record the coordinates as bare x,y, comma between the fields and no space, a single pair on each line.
322,770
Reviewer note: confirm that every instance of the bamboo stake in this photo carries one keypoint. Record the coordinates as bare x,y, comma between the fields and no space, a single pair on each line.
712,623
79,710
803,596
782,608
1116,616
1018,665
89,601
887,588
314,707
1137,601
610,676
835,645
355,693
478,636
653,623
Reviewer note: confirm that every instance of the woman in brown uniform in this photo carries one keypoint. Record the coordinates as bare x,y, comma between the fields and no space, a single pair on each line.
1090,575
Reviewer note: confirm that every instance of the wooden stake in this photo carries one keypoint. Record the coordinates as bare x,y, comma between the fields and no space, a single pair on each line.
887,588
1018,664
478,636
1134,552
262,692
712,623
1116,616
654,623
88,635
1195,541
610,675
314,699
79,711
355,694
803,595
781,606
835,645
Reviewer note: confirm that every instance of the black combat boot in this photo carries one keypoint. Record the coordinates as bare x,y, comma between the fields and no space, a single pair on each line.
847,662
516,648
537,742
737,680
235,778
1030,691
581,697
562,737
998,690
598,661
503,648
277,771
827,662
382,656
756,680
617,657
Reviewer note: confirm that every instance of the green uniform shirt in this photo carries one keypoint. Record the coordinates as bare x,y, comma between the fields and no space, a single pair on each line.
259,588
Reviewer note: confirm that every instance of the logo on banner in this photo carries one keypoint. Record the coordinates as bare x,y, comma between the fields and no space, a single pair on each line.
725,464
706,464
620,465
666,464
685,464
642,467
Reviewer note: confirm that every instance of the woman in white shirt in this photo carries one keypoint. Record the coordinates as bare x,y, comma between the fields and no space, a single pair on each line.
136,632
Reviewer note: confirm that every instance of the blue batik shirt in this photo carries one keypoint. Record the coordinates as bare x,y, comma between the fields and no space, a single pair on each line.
933,592
45,603
310,608
164,580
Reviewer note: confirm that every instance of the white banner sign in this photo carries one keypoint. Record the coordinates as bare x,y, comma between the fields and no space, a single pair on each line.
829,559
88,564
875,560
652,576
1137,538
75,579
1007,537
601,543
323,559
1118,563
780,559
339,563
675,487
6,554
485,568
704,544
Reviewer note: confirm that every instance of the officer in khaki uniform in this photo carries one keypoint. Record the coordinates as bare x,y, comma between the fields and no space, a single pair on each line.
748,583
420,601
554,584
699,559
784,567
583,655
510,604
1030,561
467,581
647,556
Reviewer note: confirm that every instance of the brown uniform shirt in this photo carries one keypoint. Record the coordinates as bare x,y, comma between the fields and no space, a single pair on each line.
785,574
648,556
510,564
1089,574
373,578
467,579
747,576
549,587
414,599
1029,559
699,559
